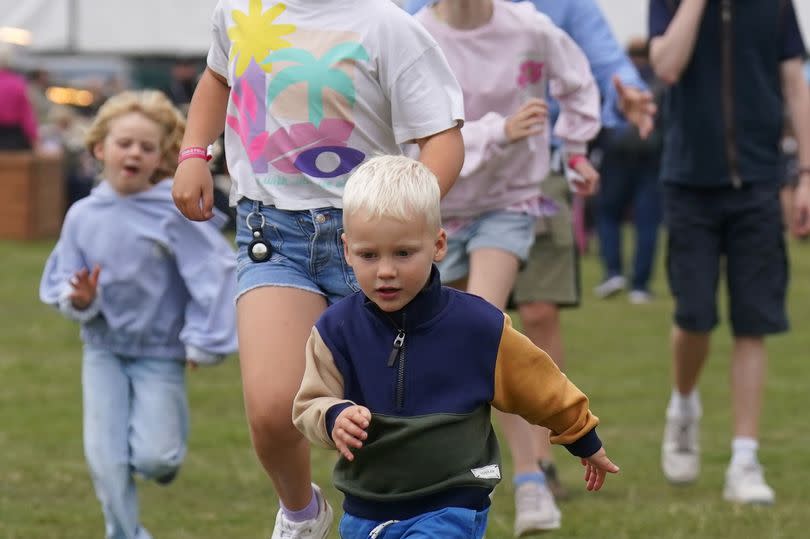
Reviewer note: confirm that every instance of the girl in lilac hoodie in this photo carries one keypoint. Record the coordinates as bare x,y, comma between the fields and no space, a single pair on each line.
505,55
151,290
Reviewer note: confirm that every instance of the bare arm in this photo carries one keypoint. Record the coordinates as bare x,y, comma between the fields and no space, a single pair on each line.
797,97
443,153
193,188
671,52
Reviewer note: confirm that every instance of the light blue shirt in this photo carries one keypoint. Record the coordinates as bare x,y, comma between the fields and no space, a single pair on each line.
584,22
166,287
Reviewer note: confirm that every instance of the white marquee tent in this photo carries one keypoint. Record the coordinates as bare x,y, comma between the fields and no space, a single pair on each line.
182,26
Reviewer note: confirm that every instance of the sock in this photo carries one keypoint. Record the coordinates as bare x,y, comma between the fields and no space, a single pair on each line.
307,513
743,451
687,405
523,478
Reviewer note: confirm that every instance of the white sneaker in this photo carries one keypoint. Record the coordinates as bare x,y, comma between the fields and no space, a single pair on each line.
680,450
746,484
639,297
610,287
316,528
535,509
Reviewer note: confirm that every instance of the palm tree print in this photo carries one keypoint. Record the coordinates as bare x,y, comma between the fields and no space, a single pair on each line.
254,34
318,73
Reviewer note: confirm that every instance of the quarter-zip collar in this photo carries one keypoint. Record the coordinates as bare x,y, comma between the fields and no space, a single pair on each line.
428,303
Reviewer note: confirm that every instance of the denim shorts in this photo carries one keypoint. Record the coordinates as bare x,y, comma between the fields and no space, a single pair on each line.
448,523
509,231
306,250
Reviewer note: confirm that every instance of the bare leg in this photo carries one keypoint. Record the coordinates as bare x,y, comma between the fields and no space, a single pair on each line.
274,324
689,353
748,368
492,275
541,323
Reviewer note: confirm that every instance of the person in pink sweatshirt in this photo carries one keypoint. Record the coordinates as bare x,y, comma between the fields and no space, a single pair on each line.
506,56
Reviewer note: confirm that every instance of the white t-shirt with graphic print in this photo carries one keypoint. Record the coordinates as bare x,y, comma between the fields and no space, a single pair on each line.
319,86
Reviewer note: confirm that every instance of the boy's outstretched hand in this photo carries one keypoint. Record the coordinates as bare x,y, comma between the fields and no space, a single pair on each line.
350,430
596,466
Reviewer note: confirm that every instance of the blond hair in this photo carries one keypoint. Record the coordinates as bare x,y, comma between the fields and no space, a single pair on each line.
154,105
394,186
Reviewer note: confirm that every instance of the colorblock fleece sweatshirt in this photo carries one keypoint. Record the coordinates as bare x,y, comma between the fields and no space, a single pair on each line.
430,440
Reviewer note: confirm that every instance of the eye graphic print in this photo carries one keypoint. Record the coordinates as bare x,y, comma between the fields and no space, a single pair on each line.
329,161
319,152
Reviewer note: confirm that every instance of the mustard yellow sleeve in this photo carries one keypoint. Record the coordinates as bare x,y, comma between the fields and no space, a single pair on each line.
529,384
321,389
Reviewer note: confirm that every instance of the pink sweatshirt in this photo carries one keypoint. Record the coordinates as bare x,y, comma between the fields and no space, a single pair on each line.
499,66
15,108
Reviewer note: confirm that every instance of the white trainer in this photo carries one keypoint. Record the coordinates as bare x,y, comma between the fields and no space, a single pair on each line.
746,484
316,528
640,297
680,450
610,287
535,509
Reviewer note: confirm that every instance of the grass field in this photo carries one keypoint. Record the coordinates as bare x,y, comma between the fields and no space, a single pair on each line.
617,353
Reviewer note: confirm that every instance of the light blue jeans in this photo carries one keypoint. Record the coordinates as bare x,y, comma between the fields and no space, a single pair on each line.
135,421
448,523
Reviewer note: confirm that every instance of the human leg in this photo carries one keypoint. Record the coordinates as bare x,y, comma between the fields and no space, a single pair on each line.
279,303
548,280
106,398
611,202
647,219
757,284
159,417
694,248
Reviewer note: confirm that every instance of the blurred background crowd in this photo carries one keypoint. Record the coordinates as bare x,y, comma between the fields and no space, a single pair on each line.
67,61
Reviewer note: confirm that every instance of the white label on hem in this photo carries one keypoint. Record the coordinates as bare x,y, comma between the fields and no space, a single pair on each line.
487,472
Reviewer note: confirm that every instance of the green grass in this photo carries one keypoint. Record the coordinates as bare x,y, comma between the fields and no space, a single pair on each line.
617,353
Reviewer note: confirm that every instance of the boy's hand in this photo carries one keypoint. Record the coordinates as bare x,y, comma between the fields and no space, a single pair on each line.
350,430
596,466
637,106
84,285
193,189
527,121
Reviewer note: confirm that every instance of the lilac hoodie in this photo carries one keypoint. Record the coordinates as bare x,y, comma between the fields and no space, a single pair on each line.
514,56
167,284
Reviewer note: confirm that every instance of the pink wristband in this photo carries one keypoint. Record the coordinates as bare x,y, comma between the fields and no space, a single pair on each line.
574,160
197,152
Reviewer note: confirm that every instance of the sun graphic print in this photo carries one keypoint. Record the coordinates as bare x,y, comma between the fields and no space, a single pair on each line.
254,36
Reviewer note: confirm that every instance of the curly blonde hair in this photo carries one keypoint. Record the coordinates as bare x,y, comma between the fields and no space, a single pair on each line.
154,105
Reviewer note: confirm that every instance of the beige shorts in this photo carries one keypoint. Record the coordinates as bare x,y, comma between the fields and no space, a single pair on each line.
551,274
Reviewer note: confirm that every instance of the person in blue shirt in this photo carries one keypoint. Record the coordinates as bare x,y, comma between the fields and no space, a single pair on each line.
153,292
550,278
731,67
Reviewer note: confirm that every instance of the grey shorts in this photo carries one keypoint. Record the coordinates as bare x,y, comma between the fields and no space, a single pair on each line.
509,231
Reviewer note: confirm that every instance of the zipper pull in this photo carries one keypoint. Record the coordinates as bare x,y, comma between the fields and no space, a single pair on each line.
399,340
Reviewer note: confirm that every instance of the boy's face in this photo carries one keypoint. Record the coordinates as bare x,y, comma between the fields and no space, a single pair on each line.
391,258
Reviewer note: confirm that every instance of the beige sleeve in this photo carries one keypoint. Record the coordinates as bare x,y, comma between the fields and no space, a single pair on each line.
321,388
529,384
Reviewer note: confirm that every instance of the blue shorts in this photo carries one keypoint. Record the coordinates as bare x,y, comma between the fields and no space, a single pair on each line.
307,252
508,231
449,523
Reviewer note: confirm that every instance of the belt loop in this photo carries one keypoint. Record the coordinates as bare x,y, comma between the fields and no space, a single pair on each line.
257,206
